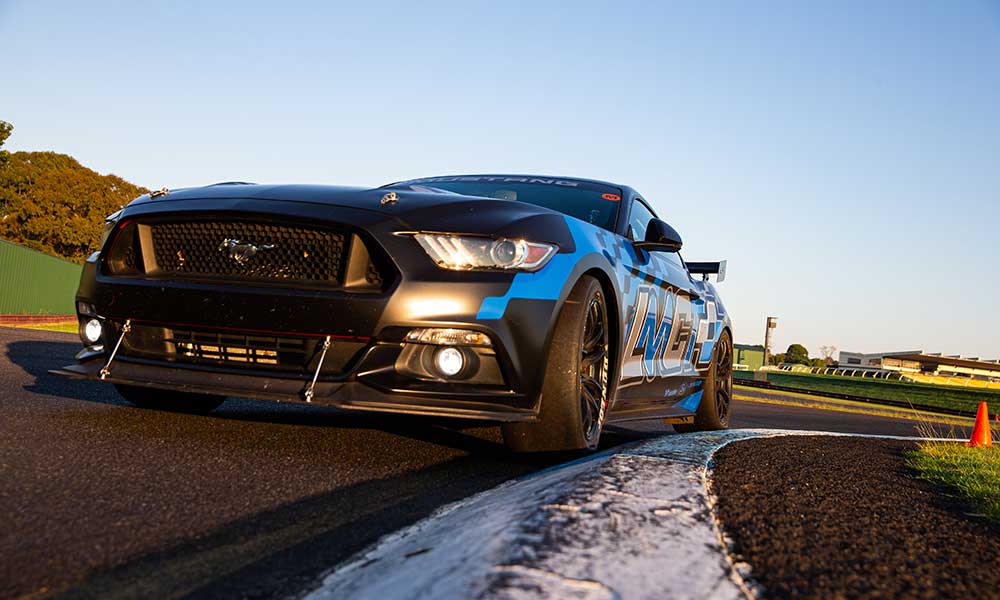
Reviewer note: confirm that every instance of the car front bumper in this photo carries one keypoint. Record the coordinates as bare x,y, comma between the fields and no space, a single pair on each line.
368,330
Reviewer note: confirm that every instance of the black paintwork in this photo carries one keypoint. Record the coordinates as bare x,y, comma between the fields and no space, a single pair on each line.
414,293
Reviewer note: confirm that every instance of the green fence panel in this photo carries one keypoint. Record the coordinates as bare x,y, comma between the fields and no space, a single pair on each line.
751,358
33,283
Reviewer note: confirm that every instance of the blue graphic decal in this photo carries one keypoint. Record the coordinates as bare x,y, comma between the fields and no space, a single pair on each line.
666,334
546,284
691,402
706,350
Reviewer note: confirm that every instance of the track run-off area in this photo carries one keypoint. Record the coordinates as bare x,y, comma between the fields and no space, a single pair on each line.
102,499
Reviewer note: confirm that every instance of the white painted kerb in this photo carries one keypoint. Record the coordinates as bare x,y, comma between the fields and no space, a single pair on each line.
634,523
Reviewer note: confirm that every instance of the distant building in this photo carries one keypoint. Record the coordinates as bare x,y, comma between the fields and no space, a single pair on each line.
747,358
858,359
920,362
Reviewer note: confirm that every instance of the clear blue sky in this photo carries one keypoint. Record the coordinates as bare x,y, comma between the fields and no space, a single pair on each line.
844,156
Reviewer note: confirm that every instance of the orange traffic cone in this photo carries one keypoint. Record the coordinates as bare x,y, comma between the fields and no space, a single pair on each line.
981,432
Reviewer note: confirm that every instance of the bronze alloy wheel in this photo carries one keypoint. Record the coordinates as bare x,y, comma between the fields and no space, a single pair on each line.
724,380
594,369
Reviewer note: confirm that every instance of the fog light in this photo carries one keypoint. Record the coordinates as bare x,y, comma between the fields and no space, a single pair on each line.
92,331
449,361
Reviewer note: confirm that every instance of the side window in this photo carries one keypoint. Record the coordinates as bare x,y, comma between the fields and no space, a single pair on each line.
674,259
638,220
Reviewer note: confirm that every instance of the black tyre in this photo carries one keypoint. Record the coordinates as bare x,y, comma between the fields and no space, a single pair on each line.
575,386
716,404
184,402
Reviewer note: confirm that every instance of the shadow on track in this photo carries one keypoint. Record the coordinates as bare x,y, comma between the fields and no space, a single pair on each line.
381,472
279,553
37,357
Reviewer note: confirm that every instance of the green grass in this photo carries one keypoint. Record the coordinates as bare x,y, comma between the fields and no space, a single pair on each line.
922,418
972,473
917,394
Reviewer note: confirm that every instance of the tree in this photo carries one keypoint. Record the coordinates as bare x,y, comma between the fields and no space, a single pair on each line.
818,363
827,352
777,359
797,354
5,129
51,203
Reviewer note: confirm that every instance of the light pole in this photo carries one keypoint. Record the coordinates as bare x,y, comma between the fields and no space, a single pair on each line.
772,323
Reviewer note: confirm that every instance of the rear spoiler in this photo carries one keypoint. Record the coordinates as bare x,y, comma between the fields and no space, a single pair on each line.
708,268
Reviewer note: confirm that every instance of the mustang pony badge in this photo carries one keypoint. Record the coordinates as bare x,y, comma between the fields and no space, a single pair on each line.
241,252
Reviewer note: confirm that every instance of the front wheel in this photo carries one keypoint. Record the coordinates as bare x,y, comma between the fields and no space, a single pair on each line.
184,402
575,385
716,404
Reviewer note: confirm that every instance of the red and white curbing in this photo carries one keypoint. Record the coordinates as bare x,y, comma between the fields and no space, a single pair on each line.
635,522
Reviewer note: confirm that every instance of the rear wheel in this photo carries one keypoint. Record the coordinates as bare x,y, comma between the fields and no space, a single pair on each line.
184,402
717,395
575,385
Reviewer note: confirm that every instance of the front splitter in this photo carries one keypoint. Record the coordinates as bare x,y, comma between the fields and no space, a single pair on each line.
348,394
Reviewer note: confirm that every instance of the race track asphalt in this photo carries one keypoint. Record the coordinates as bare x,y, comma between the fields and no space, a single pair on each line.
101,499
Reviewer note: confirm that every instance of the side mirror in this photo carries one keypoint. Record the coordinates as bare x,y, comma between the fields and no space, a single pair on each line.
660,237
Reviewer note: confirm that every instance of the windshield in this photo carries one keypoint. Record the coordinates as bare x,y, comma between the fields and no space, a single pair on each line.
594,203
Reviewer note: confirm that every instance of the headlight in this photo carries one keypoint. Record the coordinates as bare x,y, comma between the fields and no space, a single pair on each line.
109,224
468,252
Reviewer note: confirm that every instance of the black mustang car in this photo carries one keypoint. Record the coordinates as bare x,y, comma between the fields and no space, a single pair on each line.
550,305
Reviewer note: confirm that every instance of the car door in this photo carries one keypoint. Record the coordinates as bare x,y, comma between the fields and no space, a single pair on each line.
660,325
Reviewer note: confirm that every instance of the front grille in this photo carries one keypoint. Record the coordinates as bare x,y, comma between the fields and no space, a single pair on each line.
248,250
243,349
238,350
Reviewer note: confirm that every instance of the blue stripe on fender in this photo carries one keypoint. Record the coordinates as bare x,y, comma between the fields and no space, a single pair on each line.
546,284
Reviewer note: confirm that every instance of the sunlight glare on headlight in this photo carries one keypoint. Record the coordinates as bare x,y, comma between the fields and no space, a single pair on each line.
460,252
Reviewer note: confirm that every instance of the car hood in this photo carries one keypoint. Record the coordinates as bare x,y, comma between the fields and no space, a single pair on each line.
427,210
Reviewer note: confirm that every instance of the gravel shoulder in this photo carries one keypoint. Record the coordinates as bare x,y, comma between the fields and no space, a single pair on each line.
818,516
